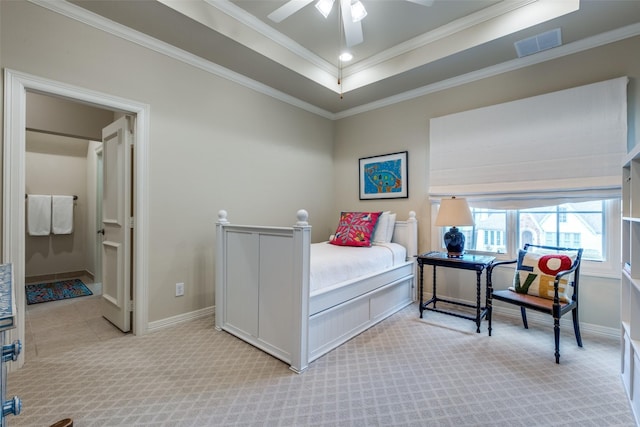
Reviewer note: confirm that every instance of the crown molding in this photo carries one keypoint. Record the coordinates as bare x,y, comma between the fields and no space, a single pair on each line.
251,21
442,32
89,18
79,14
515,64
482,26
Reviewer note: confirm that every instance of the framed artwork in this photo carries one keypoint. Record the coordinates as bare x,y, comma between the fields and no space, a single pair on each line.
384,177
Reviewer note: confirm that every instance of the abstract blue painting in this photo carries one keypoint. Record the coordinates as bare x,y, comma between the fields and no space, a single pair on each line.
384,177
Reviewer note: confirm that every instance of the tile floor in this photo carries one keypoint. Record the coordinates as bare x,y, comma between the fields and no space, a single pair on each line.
59,326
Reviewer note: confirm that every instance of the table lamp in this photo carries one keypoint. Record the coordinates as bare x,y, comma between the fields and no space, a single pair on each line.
453,213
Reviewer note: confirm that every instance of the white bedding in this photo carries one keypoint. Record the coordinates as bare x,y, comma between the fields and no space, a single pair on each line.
332,265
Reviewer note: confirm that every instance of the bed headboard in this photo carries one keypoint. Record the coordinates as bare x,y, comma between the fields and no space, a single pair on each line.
406,234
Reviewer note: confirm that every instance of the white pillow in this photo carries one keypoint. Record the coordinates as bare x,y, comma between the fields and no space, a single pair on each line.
381,232
390,226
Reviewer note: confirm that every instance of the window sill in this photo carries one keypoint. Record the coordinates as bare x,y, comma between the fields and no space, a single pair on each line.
589,268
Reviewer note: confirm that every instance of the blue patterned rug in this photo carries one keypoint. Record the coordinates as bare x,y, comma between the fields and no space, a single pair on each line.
44,292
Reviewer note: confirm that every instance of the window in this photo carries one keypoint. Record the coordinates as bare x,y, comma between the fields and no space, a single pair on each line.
590,225
567,225
531,153
562,214
490,224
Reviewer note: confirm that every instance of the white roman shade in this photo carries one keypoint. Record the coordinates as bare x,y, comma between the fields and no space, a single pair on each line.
565,146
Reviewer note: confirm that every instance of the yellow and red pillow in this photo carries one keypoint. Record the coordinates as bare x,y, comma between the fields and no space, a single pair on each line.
355,228
536,272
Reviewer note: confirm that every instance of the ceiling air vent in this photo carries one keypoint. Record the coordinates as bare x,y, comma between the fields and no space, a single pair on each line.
538,43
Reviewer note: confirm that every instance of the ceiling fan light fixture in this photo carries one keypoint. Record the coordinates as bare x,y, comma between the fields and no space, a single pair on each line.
358,12
325,6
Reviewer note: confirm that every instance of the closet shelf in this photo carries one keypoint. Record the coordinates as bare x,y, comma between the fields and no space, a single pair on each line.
74,196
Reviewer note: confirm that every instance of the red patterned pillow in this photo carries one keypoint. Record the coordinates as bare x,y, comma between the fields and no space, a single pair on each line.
355,228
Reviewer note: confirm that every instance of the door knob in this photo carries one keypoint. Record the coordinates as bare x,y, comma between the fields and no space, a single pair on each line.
10,352
12,406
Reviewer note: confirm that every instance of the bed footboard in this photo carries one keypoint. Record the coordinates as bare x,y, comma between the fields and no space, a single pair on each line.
262,286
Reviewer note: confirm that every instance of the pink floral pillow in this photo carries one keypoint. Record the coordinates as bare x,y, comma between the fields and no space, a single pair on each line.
355,228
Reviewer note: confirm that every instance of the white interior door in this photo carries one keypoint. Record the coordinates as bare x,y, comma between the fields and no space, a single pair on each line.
99,229
116,223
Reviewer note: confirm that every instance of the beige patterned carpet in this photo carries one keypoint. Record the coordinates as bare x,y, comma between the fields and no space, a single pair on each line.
403,372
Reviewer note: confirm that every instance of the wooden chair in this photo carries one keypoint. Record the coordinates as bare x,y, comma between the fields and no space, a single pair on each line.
555,303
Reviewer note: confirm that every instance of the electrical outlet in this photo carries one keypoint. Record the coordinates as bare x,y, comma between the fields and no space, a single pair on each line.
179,289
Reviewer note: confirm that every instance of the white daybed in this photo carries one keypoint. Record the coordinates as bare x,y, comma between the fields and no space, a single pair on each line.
264,296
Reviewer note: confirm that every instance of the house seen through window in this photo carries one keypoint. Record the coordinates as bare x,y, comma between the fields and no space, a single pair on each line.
567,225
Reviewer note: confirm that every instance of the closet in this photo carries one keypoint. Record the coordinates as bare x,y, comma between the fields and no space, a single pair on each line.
62,158
57,169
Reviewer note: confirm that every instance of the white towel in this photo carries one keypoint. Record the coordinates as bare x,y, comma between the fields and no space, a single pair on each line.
38,215
62,214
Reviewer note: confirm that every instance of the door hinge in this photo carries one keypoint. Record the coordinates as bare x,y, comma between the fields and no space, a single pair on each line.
130,305
131,130
131,222
131,124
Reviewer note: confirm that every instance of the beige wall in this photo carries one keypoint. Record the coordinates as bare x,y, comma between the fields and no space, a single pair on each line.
405,126
213,145
58,166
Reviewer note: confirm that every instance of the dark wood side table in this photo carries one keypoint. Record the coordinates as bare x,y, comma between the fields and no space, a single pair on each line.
478,263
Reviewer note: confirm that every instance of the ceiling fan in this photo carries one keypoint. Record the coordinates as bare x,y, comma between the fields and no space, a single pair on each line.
352,12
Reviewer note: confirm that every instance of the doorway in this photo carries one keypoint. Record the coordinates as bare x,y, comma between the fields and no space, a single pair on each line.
16,86
63,165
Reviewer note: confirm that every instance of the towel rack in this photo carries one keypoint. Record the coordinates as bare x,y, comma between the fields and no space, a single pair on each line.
74,196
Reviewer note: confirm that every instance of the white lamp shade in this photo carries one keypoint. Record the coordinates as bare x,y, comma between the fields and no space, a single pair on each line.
454,212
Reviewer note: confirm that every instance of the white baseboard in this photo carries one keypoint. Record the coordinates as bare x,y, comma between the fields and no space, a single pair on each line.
540,319
514,313
566,321
181,318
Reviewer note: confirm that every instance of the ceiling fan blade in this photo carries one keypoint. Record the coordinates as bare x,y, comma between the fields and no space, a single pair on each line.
422,2
287,9
352,30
